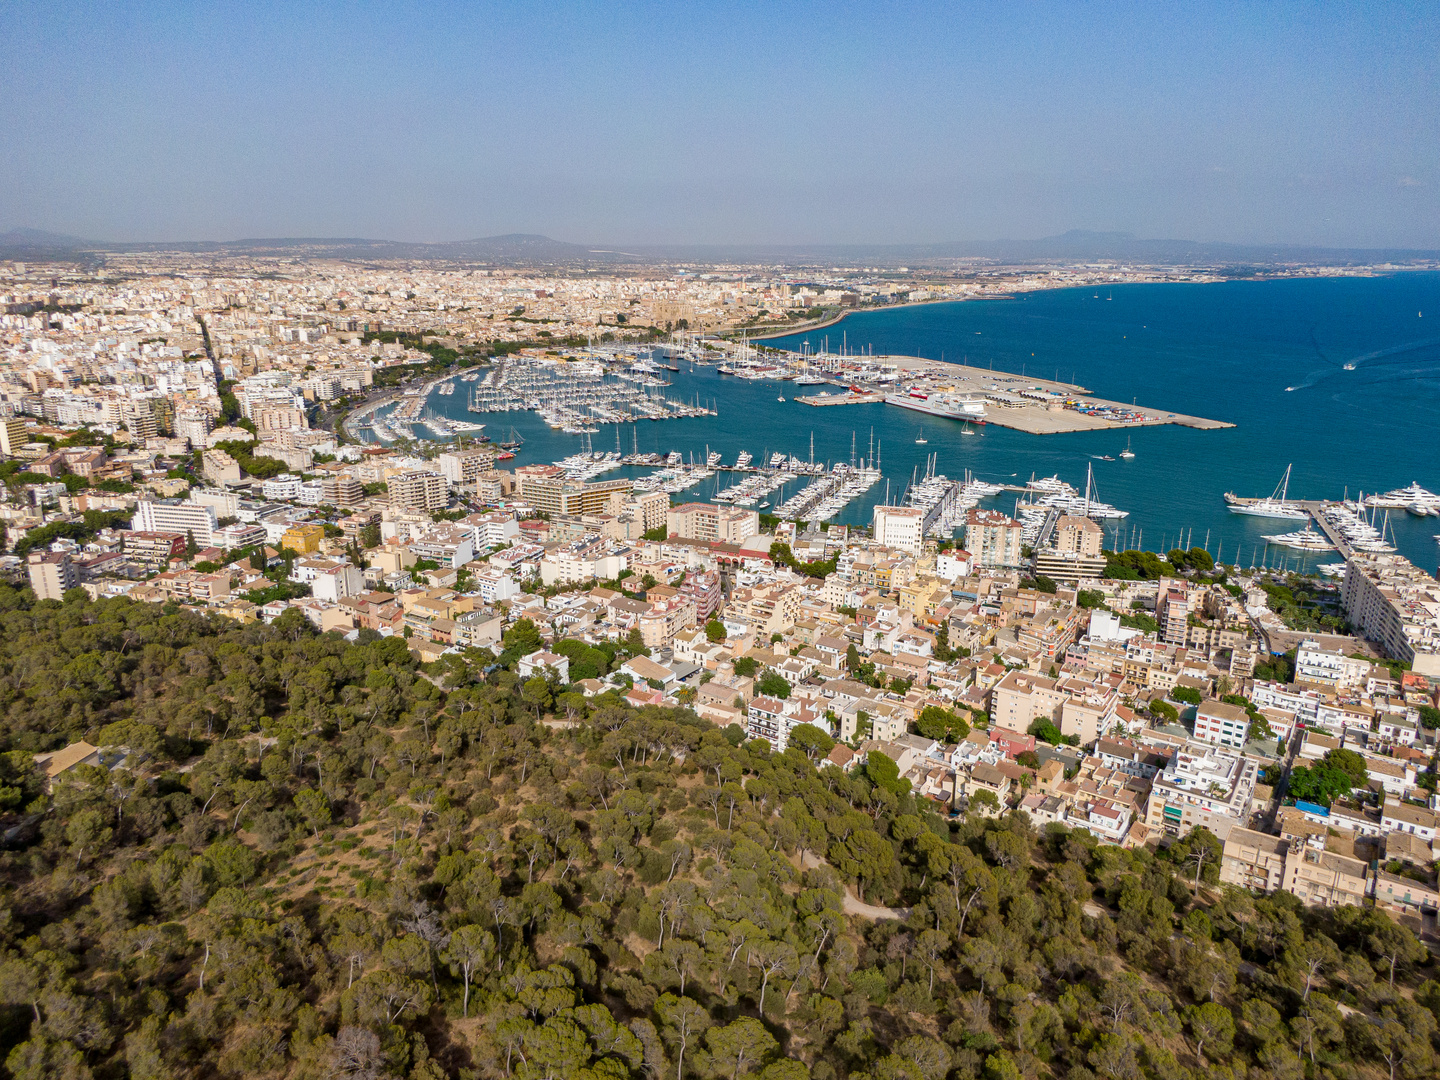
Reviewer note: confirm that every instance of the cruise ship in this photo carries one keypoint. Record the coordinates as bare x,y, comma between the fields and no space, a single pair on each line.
947,406
1416,499
1274,506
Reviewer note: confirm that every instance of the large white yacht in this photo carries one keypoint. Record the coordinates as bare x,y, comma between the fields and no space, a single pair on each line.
1275,506
1306,539
1414,498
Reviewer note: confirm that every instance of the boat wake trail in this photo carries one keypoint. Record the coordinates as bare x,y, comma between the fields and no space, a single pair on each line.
1387,359
1392,354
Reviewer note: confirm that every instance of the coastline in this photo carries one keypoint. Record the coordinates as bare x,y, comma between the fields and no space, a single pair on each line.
805,328
1009,294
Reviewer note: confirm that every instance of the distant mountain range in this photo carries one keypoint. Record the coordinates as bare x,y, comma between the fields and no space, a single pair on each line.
530,249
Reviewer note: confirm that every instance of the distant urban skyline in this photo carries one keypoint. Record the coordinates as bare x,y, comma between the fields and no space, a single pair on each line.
723,124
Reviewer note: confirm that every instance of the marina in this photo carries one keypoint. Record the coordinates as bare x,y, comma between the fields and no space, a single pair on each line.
1170,480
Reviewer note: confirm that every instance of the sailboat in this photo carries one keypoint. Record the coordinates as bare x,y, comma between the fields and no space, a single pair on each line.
966,429
1127,453
780,398
920,439
1274,506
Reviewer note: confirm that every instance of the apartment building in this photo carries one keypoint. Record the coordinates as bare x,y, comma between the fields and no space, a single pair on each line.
666,618
342,491
464,466
1397,605
1172,612
495,585
1266,863
194,427
51,574
419,489
586,559
220,468
774,720
191,585
335,581
492,530
706,521
1329,668
13,435
448,543
993,539
152,549
284,488
302,537
767,609
649,510
172,515
1202,785
901,527
1221,724
1073,551
1021,697
550,491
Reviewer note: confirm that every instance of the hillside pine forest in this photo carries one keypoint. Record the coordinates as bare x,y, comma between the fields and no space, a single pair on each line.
322,860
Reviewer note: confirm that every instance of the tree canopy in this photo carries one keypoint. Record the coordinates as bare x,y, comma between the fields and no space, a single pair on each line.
320,858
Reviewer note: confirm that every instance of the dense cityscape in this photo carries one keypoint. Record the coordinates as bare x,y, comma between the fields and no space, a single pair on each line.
719,541
469,673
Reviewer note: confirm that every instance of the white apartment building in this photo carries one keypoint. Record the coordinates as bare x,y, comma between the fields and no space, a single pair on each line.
1316,665
337,581
282,488
194,426
446,543
1202,785
172,515
587,559
1394,603
900,527
494,585
1222,724
493,529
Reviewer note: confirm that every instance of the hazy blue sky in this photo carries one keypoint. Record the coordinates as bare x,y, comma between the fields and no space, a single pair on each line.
686,122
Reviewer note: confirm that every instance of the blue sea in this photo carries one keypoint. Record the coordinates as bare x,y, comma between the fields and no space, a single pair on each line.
1267,356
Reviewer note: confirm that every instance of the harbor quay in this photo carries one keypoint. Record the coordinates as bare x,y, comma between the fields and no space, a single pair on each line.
1022,402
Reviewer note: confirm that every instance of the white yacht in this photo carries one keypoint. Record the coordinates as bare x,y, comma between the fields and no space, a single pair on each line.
1414,498
1274,506
1306,539
744,459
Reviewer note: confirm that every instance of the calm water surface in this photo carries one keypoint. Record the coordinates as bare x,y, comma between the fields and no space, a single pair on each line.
1225,351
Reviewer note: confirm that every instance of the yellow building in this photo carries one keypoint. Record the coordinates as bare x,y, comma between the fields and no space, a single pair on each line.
303,539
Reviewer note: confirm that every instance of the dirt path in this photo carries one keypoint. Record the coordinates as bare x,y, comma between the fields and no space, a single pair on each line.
871,911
